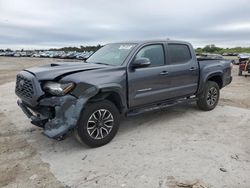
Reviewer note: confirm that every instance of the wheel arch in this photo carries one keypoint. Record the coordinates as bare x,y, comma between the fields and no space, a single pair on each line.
217,78
214,76
112,94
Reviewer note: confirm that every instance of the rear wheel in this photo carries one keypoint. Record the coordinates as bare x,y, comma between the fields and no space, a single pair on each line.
98,124
210,96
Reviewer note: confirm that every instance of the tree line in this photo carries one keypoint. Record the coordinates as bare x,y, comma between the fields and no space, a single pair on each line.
77,49
214,49
207,49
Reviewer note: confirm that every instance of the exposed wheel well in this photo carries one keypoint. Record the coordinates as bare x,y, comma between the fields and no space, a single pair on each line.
217,79
111,96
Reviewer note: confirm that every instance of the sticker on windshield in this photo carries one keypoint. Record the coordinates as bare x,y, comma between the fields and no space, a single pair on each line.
126,47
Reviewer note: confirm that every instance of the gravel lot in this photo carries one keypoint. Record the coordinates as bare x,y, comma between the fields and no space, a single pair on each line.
178,147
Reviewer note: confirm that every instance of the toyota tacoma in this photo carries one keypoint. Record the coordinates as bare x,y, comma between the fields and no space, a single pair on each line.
120,79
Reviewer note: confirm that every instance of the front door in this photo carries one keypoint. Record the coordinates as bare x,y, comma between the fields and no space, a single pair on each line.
149,84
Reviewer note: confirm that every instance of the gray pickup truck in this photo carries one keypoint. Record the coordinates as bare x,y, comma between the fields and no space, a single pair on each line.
120,79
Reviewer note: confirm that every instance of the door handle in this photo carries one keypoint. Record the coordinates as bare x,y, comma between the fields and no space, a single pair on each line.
164,73
192,69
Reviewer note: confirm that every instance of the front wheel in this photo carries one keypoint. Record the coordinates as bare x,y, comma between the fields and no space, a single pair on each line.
98,124
210,96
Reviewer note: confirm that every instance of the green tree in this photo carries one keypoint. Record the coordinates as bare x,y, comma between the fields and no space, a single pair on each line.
211,48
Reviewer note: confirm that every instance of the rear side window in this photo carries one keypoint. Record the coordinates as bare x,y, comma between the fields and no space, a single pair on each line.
154,53
179,53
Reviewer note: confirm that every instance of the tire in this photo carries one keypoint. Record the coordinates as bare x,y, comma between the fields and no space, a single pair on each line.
98,124
240,72
208,100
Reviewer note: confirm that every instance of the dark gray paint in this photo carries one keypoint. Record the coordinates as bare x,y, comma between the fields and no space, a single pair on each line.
135,88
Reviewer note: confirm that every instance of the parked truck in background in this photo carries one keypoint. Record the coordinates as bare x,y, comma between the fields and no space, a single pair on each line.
244,64
120,79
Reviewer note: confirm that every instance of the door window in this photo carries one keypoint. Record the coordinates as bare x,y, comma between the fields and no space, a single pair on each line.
179,53
154,53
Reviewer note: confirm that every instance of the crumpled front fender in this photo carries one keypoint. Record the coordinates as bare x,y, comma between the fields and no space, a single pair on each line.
67,112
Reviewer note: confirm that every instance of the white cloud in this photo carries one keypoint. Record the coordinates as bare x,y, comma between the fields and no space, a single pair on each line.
52,23
234,27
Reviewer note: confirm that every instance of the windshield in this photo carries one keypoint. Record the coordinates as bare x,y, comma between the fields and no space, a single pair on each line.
111,54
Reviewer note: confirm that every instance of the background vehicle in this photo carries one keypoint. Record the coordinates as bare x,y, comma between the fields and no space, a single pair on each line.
243,63
120,79
211,56
244,67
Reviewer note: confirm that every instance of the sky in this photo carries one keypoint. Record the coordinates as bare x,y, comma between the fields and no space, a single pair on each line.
31,24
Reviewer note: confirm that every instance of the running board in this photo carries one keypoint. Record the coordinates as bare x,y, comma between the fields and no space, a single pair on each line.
160,106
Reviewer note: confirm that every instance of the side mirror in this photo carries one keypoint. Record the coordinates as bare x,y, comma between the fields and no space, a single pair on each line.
140,63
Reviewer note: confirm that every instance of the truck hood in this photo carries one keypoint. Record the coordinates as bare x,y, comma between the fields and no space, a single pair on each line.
54,70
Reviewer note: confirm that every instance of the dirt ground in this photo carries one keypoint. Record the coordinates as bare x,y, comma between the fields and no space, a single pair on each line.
178,147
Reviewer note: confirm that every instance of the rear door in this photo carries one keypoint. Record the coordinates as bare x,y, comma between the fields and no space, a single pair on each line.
149,84
183,70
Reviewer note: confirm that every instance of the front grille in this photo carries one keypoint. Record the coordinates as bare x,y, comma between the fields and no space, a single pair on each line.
24,87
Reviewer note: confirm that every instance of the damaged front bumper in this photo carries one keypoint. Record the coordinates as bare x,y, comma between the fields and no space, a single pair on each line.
56,115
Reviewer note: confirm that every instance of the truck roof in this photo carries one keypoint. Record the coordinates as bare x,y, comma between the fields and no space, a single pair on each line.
152,41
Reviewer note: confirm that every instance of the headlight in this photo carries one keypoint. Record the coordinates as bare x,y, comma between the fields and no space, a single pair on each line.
59,89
